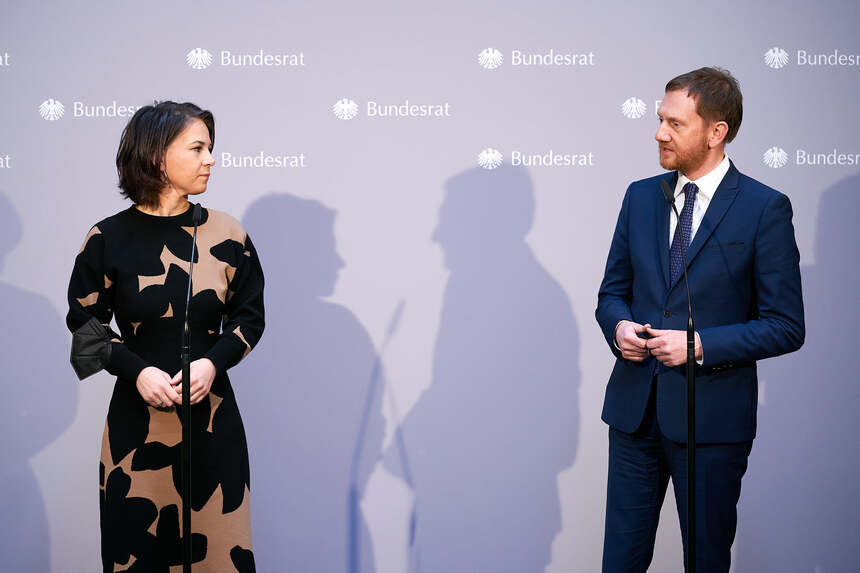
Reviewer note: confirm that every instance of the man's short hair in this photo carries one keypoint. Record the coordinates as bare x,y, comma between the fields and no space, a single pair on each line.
717,94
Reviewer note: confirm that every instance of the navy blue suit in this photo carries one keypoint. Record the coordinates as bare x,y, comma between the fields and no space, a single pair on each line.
743,267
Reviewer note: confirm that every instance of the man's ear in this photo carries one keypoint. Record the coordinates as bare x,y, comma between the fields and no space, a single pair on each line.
719,130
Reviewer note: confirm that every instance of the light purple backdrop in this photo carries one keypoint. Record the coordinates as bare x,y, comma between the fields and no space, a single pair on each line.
409,288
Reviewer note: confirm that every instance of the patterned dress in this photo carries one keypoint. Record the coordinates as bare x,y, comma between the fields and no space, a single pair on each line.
134,267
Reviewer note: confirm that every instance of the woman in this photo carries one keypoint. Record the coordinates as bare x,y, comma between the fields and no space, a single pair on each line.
133,267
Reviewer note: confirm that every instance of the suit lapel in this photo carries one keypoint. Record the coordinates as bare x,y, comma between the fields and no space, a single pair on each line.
720,203
663,214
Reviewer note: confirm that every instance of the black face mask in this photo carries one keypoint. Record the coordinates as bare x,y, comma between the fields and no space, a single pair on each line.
91,347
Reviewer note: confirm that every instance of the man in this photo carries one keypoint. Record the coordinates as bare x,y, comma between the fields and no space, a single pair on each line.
743,268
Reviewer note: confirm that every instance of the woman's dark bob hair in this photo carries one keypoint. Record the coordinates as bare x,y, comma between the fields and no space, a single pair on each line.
144,140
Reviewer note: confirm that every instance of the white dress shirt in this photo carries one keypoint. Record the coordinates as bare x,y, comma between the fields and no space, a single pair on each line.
707,185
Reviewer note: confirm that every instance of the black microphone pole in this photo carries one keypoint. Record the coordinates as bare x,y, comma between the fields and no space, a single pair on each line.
691,398
185,465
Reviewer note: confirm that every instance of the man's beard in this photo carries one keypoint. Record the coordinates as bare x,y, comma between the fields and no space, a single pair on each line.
687,162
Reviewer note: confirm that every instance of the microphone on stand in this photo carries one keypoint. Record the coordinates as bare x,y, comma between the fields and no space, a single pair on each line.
691,397
185,465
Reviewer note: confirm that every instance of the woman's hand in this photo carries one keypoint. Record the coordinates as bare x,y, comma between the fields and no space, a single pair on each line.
155,388
202,374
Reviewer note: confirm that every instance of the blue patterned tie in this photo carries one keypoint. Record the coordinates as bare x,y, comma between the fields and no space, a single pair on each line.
682,231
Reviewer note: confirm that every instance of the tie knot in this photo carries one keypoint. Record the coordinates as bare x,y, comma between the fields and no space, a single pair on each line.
690,189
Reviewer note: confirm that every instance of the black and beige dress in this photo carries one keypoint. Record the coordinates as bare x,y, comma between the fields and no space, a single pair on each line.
134,267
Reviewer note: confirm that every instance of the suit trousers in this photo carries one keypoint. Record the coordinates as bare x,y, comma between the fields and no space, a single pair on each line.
640,465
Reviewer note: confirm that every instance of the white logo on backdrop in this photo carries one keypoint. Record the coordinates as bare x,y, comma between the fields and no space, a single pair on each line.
776,58
345,109
490,158
633,107
198,58
490,58
51,109
775,157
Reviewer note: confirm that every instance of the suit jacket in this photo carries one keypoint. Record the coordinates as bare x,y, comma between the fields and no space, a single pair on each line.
743,268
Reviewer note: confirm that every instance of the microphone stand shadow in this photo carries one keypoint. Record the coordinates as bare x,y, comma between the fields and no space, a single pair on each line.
354,500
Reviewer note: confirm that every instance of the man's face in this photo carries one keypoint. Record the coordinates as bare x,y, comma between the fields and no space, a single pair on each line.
682,137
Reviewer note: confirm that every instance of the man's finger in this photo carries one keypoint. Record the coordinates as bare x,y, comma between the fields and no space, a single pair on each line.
634,341
660,350
655,332
634,349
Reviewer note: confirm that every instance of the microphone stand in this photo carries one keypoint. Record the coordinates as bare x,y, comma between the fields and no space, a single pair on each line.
185,463
691,400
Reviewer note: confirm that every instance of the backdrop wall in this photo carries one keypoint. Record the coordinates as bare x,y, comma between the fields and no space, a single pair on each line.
409,287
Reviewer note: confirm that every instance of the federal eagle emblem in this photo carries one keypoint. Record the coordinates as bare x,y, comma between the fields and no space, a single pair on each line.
345,109
776,58
775,157
490,158
198,58
633,107
490,58
51,109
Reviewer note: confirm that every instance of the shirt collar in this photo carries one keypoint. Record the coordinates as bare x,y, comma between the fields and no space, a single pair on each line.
707,183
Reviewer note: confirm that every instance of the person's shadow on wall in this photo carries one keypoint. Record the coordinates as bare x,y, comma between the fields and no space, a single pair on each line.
798,511
487,439
40,400
310,399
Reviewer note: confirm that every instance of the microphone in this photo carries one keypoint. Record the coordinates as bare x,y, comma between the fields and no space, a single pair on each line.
185,462
691,396
667,193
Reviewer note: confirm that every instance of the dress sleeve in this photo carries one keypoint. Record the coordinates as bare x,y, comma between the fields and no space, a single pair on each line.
244,315
90,295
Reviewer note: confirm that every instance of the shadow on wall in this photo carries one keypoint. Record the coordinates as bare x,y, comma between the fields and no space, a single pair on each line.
306,392
488,438
798,512
40,400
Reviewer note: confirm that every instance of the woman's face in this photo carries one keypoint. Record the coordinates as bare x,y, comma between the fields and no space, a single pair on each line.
188,159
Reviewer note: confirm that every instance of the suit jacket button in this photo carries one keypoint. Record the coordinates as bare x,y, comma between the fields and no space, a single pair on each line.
667,313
